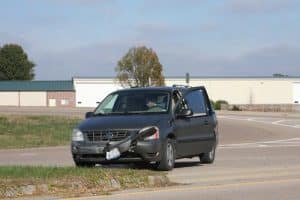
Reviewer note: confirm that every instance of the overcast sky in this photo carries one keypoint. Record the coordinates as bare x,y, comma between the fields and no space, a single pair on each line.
67,38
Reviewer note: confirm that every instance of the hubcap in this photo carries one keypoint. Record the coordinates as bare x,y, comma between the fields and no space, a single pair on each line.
170,155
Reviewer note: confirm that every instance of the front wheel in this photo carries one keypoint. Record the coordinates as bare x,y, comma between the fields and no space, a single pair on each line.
209,157
168,154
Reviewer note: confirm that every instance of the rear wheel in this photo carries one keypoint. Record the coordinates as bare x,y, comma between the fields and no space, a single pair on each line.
168,154
209,157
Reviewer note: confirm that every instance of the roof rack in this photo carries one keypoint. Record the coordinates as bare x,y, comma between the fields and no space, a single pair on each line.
182,86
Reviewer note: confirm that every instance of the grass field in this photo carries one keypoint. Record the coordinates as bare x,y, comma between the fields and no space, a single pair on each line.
35,131
71,181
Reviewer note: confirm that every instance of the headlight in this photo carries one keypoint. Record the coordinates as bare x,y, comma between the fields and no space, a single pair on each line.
154,136
77,135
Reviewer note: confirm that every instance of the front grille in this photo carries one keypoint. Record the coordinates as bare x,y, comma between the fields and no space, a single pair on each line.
106,135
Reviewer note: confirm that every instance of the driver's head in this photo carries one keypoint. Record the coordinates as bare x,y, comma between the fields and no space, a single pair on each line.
150,101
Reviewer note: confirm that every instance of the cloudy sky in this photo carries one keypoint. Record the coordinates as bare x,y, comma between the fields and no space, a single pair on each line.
67,38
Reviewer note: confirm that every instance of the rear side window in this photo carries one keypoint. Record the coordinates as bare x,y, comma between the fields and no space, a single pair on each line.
196,102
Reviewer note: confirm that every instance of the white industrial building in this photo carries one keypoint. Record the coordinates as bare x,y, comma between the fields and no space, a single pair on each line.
89,91
235,90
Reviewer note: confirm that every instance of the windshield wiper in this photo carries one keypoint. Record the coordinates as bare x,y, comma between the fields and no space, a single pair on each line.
135,113
98,114
121,113
110,113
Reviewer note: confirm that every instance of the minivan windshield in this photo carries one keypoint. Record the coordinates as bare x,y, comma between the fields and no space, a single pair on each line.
139,102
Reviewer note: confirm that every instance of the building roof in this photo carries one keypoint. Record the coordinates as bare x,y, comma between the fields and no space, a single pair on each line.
36,86
199,77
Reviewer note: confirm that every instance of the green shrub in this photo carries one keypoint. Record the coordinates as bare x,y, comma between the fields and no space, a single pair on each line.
219,103
235,108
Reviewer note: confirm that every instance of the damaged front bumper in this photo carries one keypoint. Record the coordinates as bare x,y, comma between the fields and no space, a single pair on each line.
130,150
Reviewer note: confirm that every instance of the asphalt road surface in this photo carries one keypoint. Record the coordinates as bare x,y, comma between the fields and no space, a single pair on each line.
258,158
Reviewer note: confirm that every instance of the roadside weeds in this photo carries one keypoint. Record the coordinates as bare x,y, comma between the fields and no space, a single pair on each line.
26,181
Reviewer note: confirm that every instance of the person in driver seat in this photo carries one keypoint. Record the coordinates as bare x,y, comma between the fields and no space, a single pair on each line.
150,102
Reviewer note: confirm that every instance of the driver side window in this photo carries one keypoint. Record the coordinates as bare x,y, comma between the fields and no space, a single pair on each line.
196,102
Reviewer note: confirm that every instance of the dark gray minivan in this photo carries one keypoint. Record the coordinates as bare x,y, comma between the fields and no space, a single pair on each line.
155,124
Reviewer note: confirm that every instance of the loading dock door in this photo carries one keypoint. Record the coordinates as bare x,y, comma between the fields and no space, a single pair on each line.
296,92
33,98
90,94
9,98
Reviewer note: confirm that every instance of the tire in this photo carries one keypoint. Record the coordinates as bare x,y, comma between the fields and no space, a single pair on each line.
209,157
168,154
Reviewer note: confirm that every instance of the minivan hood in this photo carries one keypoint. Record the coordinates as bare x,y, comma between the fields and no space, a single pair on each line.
121,122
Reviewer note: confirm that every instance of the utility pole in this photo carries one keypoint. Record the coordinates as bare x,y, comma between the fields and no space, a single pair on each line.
187,78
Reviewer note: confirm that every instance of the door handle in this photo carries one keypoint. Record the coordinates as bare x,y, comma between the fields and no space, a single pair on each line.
206,123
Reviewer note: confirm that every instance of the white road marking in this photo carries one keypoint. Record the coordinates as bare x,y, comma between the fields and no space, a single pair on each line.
263,142
292,142
262,145
258,146
277,122
280,141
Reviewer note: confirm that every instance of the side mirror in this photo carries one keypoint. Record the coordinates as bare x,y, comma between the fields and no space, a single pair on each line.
89,114
184,113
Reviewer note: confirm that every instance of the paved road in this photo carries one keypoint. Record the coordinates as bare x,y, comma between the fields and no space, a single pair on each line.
258,158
